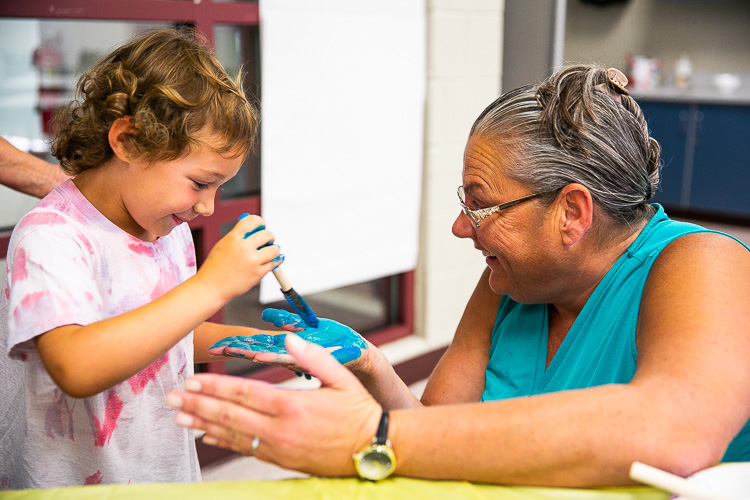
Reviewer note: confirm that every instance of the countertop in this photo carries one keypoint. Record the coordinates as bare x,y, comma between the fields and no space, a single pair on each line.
701,91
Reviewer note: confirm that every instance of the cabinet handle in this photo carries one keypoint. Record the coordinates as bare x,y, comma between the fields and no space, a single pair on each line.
684,117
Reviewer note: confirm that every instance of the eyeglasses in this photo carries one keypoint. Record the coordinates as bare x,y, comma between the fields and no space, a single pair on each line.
480,214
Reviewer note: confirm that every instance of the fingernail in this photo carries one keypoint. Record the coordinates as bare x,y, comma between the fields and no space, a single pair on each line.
295,342
193,385
243,216
183,420
174,400
212,441
279,259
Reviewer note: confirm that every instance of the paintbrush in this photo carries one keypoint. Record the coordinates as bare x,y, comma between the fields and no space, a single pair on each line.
291,296
297,302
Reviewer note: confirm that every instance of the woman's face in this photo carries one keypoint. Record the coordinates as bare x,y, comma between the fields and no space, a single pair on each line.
516,242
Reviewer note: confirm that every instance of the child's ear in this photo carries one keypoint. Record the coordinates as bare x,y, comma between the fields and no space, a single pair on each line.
117,132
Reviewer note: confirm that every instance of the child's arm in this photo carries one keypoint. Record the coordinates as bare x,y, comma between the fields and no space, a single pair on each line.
207,334
85,360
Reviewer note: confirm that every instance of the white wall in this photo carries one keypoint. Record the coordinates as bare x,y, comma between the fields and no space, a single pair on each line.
464,55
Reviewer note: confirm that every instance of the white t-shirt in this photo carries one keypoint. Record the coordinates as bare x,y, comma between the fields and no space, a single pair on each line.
68,264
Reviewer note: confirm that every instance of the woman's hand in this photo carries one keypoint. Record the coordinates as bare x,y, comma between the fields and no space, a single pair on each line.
314,431
340,341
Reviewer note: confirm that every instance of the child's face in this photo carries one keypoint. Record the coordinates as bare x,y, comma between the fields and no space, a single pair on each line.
160,196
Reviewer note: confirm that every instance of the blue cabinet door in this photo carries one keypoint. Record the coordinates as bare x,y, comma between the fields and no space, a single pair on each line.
721,171
668,124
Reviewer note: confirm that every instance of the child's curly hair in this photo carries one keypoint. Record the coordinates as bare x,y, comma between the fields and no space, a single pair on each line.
169,86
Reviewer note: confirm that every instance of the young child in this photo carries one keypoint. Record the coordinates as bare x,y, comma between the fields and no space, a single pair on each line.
102,308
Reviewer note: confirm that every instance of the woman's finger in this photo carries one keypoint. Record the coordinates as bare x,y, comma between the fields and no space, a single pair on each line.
255,395
318,362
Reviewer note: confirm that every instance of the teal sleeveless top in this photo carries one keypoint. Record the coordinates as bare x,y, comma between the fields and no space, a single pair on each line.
600,347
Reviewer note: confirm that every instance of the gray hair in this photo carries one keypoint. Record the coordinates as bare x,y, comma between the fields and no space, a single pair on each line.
578,127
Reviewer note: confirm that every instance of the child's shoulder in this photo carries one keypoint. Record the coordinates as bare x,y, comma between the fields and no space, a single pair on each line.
58,217
55,209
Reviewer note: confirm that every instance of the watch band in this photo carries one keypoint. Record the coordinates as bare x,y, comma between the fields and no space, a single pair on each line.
382,435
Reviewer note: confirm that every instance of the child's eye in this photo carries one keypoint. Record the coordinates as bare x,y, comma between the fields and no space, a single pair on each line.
200,185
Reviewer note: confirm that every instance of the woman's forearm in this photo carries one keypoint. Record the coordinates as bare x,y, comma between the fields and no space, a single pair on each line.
27,173
381,381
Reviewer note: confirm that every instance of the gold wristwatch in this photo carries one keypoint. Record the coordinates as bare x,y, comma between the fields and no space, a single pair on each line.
377,461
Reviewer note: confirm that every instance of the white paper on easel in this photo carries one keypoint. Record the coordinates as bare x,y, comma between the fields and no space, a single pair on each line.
343,91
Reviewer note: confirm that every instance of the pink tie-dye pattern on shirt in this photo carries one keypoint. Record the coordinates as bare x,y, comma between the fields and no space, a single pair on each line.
19,267
30,301
42,218
190,255
95,478
142,249
139,381
58,417
168,279
111,414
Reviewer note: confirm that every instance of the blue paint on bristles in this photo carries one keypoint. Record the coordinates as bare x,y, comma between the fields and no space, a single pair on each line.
301,307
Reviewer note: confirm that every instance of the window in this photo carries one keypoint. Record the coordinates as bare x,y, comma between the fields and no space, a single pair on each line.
42,51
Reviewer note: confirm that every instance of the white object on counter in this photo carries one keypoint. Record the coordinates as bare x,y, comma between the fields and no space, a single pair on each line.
683,73
726,82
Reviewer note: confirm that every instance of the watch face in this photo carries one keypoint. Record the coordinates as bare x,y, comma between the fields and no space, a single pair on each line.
376,463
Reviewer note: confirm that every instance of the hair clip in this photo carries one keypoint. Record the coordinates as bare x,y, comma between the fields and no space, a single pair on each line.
618,79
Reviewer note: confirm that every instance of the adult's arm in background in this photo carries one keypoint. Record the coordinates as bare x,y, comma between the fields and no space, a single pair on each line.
26,173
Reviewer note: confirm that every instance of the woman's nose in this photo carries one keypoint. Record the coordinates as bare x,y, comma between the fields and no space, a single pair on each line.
462,226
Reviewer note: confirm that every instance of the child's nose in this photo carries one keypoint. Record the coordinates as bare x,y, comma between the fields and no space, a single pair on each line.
205,205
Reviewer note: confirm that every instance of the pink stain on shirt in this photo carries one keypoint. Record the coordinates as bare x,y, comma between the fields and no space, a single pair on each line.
111,414
59,417
28,302
19,267
95,478
42,218
190,255
142,249
168,279
139,381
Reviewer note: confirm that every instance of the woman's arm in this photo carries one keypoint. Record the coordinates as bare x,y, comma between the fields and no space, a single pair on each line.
690,396
459,376
84,360
26,173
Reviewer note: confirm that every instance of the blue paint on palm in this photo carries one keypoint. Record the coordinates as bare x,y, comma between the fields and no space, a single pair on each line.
348,343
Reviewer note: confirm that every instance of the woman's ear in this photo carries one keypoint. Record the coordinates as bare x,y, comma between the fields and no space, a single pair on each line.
576,214
117,132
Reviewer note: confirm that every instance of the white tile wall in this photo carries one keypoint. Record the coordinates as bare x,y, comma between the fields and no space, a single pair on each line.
464,53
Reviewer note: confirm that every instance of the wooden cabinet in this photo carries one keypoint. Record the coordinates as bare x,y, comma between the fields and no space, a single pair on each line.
706,153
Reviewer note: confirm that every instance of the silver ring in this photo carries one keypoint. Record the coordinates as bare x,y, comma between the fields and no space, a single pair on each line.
255,444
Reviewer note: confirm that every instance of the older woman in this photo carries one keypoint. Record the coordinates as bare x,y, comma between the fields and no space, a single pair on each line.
601,332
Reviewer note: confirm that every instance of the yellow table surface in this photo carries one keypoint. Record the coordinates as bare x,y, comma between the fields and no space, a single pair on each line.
332,489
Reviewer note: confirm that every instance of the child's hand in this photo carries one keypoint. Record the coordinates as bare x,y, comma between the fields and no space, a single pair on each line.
344,344
236,263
